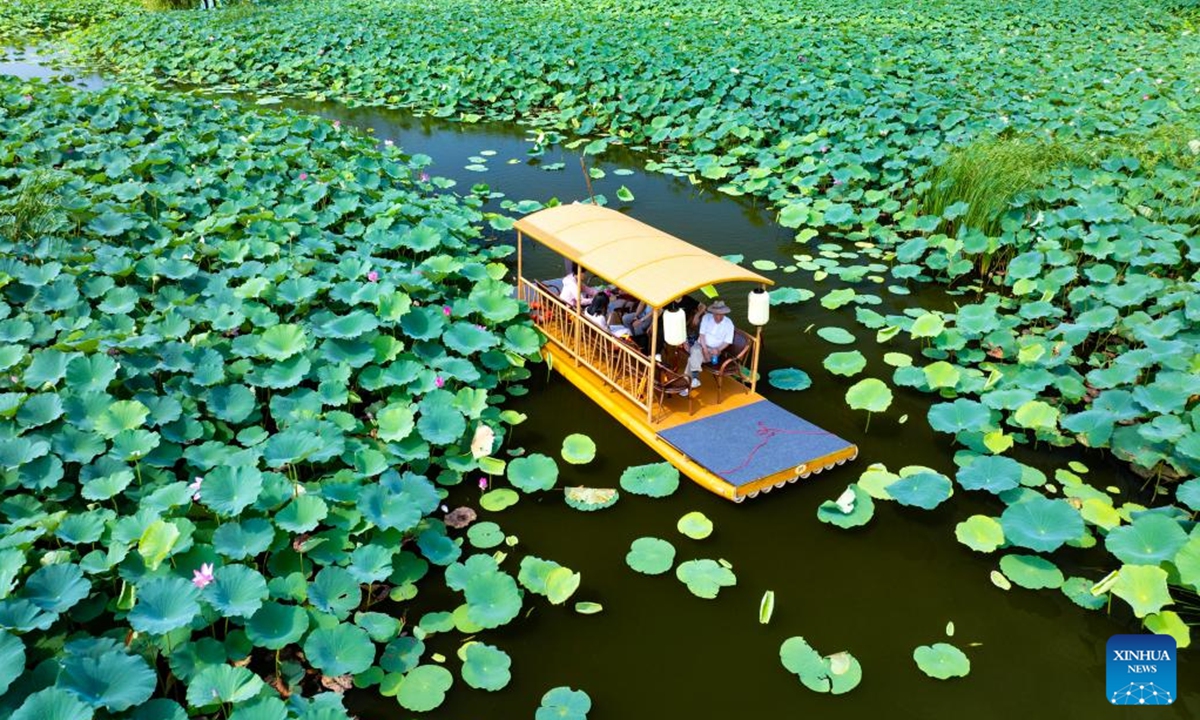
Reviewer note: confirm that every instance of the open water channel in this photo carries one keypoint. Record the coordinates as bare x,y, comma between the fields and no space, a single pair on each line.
879,591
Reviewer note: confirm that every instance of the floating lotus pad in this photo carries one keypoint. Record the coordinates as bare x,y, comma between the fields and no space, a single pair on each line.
869,394
705,578
1079,591
925,490
993,474
578,449
563,703
1031,571
1149,540
533,472
498,499
942,661
424,688
836,335
980,533
1041,524
485,535
650,556
655,480
789,379
548,578
1144,587
861,509
588,499
695,525
837,673
485,667
588,608
847,364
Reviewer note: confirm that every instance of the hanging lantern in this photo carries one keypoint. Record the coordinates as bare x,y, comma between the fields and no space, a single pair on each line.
675,326
760,307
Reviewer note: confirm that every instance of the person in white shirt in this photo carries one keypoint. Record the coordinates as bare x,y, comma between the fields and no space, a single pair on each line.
570,292
716,334
598,312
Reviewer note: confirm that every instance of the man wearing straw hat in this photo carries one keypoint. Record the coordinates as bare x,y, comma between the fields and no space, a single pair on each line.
716,334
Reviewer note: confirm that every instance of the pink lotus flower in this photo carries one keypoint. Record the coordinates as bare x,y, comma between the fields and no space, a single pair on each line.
837,182
446,310
824,148
337,124
373,276
423,177
195,488
439,381
27,98
202,577
1145,97
303,176
483,483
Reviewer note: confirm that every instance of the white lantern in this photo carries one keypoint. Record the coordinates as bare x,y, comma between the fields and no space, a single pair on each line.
760,307
675,326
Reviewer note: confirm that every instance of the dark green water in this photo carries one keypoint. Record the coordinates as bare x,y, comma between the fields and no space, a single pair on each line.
879,591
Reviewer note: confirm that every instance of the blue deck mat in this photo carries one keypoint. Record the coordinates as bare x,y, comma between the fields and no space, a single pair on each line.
752,442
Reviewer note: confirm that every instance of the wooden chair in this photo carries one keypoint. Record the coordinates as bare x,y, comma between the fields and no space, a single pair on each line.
732,362
669,381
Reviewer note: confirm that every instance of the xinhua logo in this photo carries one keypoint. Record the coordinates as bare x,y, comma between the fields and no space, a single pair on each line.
1141,670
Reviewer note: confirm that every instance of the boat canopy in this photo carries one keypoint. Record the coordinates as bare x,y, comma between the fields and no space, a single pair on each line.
649,264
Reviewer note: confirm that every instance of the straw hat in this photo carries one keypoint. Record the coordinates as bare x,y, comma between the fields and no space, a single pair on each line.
718,308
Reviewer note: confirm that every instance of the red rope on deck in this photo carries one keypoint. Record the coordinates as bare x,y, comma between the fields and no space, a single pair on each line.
768,433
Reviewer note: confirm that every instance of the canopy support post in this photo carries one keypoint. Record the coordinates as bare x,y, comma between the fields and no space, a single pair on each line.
520,276
754,361
578,309
652,367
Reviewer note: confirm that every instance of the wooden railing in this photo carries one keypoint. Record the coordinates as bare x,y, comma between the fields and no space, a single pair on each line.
624,368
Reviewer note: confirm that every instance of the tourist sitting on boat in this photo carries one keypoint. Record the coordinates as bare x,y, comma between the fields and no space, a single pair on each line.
598,312
571,291
716,334
638,319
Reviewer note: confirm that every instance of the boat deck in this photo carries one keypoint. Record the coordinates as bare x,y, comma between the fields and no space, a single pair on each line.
743,446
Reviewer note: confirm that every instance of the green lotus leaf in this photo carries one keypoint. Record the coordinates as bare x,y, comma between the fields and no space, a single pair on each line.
402,654
1079,591
395,422
1169,623
290,447
789,379
335,591
563,703
53,703
650,556
1188,493
656,480
942,661
869,394
1036,415
230,489
853,508
925,490
705,578
485,667
424,323
806,663
994,474
897,359
379,626
244,539
1144,587
1187,562
1041,524
84,528
440,422
695,525
492,596
1031,571
533,472
56,588
339,650
548,578
589,499
588,608
108,486
275,626
467,339
12,659
163,605
121,415
847,364
836,335
1149,540
218,684
40,410
941,374
424,688
980,533
302,514
280,342
578,449
875,481
485,535
236,591
106,677
370,563
498,499
46,368
398,507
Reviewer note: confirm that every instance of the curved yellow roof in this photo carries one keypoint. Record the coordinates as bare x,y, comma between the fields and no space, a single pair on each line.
642,260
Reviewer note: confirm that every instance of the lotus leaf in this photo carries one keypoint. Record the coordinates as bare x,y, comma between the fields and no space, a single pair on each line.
230,489
994,474
275,626
335,591
836,335
485,667
789,379
854,509
12,659
491,595
588,608
424,688
848,364
1169,623
655,480
1041,524
163,605
980,533
53,703
705,578
563,703
588,499
578,449
533,472
1188,493
485,535
1079,590
650,555
56,588
106,677
236,591
1149,540
339,650
695,525
1144,587
1031,571
498,499
548,578
870,394
218,684
302,514
240,540
942,661
925,490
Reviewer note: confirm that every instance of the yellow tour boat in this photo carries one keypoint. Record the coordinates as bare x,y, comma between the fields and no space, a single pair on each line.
723,434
